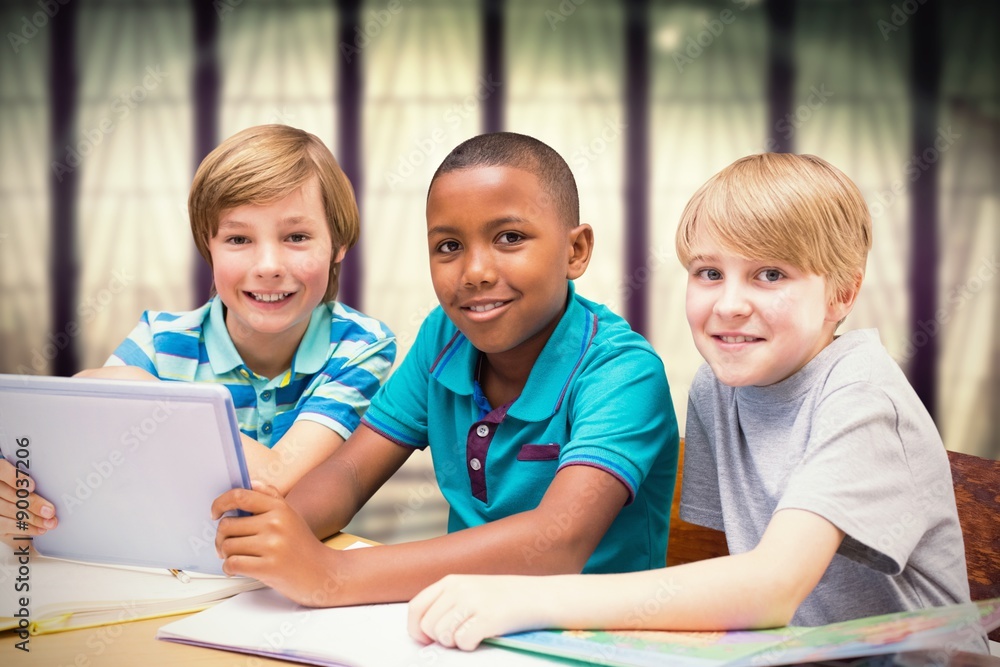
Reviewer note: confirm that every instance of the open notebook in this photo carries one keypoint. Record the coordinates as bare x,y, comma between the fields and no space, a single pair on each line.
268,624
68,595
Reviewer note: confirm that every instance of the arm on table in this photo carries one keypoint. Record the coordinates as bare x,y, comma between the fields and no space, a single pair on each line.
278,546
757,589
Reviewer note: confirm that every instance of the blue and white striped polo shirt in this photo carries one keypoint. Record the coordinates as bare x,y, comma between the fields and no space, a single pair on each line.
343,359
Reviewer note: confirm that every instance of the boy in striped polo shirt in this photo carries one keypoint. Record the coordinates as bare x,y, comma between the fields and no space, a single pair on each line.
273,215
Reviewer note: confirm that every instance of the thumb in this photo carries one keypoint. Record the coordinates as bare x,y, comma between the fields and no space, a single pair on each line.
265,488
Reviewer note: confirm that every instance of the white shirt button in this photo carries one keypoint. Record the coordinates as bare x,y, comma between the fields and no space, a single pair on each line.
482,431
475,464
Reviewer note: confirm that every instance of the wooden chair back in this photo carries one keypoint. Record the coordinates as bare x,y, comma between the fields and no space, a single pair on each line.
688,542
977,495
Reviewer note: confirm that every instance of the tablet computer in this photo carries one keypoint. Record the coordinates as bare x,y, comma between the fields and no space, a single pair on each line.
132,467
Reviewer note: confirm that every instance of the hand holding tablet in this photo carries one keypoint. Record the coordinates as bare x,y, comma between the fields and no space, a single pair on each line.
132,468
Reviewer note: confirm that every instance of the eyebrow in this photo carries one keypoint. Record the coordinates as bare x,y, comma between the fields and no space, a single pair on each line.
489,226
703,258
291,220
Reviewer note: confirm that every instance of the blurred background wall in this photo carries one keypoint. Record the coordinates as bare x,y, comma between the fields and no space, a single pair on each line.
107,106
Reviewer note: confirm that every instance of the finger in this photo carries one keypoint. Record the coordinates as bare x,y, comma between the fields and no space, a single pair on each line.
449,624
469,635
254,502
416,610
273,523
250,545
32,509
11,528
241,565
433,625
231,528
265,488
9,475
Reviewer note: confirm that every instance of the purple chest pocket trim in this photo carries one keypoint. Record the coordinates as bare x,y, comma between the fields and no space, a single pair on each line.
549,452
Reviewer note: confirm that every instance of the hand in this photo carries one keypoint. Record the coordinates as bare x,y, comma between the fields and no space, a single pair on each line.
275,546
40,514
116,373
459,611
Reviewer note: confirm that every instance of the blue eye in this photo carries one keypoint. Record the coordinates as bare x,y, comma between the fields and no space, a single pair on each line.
709,274
770,275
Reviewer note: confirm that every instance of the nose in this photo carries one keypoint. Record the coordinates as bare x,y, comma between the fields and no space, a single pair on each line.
479,268
268,262
733,300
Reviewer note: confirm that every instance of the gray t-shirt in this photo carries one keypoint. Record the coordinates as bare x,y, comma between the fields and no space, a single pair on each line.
848,439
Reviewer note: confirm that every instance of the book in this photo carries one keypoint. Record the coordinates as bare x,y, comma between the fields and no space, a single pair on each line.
266,623
68,595
955,627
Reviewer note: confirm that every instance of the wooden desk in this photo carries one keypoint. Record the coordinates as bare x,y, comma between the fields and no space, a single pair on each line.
131,644
134,644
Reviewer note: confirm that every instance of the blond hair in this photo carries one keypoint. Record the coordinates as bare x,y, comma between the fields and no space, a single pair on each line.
798,209
263,164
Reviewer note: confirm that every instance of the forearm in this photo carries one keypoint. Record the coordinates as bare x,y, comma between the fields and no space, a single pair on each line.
327,497
725,593
332,491
394,573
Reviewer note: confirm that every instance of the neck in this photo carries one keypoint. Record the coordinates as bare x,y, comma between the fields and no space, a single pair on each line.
504,374
267,355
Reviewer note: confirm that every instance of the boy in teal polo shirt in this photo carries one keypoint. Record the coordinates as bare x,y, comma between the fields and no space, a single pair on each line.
549,420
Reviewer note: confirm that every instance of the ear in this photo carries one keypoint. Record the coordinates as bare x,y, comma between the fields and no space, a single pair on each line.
842,300
338,254
581,245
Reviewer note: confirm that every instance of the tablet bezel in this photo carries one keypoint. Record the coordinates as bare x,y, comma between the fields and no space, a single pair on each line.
165,512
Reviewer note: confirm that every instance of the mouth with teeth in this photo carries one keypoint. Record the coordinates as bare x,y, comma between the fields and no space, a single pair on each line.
738,339
269,298
485,308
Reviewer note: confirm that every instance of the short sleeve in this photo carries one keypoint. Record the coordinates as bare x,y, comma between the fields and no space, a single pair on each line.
854,433
137,349
700,500
622,418
399,410
349,385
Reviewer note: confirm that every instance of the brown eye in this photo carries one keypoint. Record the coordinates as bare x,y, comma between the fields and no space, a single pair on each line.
510,238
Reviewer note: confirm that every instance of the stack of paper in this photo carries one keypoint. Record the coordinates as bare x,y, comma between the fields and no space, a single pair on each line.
66,595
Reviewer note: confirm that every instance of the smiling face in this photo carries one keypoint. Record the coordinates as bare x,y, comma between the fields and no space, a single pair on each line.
757,322
271,265
500,258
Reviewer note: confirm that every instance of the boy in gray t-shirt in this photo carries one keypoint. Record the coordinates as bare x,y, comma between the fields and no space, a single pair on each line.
812,452
811,446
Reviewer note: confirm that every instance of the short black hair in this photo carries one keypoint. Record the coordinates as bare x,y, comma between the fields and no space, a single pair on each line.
509,149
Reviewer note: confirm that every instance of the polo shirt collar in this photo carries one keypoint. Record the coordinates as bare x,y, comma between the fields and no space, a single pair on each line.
310,357
550,377
314,349
219,347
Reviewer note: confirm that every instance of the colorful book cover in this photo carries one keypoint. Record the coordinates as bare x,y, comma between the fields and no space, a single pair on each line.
957,627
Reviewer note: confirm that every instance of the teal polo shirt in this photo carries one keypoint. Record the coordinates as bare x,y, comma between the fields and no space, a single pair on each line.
596,396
